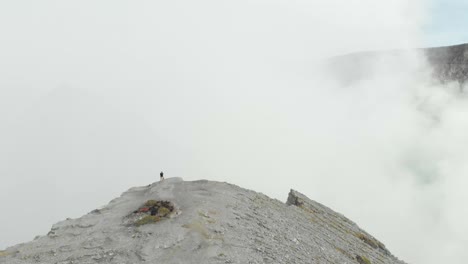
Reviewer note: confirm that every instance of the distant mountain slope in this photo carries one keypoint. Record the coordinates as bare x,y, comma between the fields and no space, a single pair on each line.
448,64
203,222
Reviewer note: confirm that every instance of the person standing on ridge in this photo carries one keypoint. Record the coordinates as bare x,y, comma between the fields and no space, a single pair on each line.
161,176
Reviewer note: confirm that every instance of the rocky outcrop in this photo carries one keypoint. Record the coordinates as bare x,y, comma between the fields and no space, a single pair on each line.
206,222
341,227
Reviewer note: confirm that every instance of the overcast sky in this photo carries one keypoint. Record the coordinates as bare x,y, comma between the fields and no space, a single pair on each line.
99,96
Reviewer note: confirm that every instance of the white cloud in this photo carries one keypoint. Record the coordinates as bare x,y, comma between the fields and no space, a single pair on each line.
98,97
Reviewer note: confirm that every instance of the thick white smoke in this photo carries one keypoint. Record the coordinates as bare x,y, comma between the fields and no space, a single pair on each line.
98,97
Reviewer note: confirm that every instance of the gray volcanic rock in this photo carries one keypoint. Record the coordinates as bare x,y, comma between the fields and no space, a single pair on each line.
212,222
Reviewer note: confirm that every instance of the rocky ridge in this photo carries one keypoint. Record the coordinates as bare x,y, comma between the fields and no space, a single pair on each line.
210,222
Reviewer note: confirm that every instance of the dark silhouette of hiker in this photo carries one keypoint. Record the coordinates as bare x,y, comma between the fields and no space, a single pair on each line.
161,176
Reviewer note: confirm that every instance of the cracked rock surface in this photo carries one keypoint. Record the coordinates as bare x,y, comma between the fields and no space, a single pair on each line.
212,222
